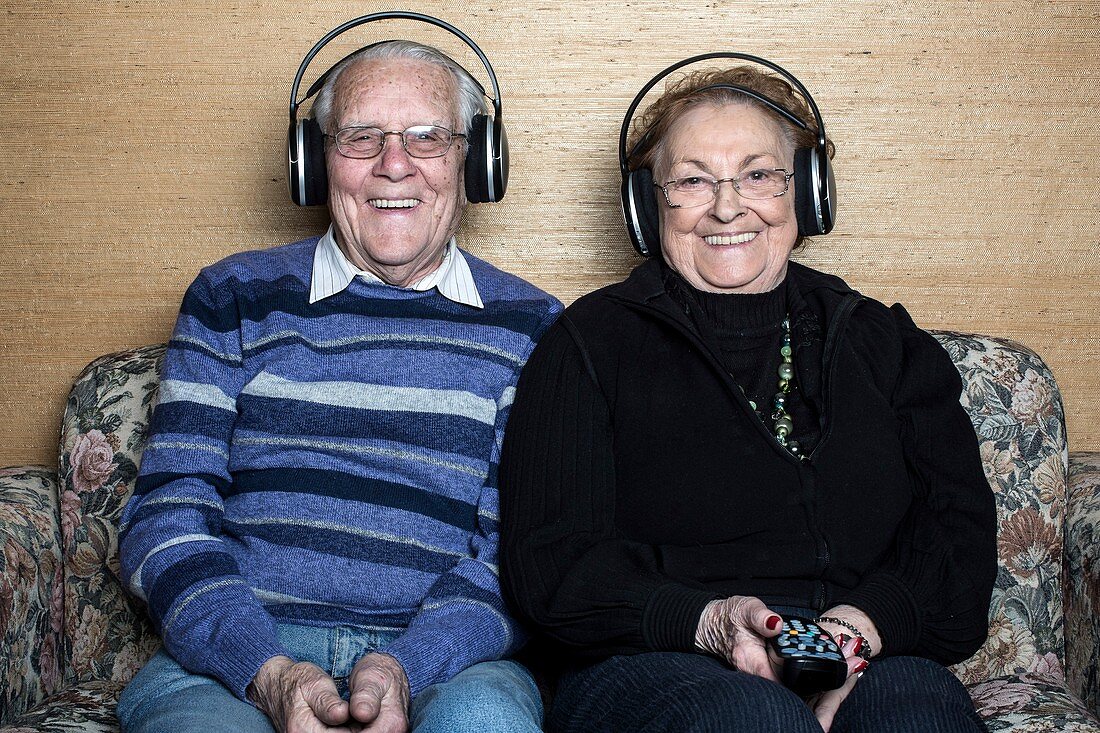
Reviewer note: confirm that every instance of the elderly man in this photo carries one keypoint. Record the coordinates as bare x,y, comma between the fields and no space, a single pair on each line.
314,528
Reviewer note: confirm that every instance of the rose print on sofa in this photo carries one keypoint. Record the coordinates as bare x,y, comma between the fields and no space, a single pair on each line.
92,461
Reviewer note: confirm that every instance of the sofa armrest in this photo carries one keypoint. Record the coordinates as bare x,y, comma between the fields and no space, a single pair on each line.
31,613
1083,578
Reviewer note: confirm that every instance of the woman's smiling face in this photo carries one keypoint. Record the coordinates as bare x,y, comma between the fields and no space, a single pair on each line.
733,244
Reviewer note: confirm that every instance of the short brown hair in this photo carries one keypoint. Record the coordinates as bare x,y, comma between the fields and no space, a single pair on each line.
649,130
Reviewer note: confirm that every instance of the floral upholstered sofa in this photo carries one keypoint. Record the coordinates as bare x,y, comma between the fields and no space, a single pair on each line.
72,637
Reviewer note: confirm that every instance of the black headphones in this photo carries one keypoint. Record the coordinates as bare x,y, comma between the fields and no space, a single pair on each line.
486,155
815,189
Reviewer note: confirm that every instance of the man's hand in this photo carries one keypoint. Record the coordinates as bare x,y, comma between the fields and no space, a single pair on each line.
379,694
736,630
299,697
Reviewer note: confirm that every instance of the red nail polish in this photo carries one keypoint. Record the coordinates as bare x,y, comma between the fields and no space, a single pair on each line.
860,667
841,639
858,645
772,623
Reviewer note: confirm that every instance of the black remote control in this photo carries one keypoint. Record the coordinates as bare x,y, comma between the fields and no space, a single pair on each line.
812,661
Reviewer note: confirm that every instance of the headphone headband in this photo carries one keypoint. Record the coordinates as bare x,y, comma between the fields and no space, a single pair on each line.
624,132
295,103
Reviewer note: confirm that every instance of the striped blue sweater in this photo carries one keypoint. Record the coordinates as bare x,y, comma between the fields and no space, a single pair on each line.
328,464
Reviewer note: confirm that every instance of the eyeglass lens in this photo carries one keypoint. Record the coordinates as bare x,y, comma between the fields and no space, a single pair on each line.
419,141
755,184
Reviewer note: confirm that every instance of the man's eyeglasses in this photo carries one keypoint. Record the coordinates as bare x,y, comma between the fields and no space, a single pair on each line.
419,141
763,183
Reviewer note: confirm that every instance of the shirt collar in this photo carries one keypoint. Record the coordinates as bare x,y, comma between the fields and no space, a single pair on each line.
333,272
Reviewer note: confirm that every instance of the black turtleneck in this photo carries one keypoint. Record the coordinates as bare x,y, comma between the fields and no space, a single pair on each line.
745,330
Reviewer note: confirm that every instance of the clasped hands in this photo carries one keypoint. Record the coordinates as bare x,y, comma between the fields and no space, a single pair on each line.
299,697
736,630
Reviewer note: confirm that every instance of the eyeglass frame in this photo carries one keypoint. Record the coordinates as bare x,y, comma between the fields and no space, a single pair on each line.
401,136
787,176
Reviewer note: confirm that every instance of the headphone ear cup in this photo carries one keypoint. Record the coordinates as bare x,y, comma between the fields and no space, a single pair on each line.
639,204
486,160
814,192
478,150
306,173
500,160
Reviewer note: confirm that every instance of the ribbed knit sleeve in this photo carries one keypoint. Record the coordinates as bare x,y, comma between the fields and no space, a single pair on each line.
564,567
171,544
931,596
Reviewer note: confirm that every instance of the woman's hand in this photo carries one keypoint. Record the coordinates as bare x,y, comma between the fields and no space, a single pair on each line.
853,618
826,704
736,629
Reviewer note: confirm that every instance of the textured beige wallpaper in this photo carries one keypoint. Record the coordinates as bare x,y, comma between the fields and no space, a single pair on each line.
142,140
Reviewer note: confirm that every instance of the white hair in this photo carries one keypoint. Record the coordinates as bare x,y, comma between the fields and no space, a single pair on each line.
471,97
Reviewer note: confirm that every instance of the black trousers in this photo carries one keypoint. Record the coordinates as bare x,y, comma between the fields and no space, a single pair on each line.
669,692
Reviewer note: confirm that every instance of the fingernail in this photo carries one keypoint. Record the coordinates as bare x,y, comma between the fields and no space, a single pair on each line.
773,622
841,639
861,666
857,646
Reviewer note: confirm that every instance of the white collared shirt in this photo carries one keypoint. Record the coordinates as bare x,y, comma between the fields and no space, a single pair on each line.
333,272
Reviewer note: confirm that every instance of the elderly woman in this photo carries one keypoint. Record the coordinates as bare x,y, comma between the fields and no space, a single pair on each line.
728,437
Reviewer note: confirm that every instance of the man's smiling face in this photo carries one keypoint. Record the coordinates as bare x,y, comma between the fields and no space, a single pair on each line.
394,214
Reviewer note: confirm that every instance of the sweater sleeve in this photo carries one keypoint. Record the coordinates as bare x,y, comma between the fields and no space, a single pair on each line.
930,596
564,567
171,546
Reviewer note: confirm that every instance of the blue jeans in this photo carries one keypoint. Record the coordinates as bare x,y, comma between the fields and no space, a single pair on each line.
674,692
491,697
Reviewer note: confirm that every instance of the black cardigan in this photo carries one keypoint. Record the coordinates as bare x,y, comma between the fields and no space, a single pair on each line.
637,484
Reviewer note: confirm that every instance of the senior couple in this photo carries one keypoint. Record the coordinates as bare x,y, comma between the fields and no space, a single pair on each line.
332,530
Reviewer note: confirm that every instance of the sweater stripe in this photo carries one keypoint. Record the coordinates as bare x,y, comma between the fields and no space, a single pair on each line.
359,449
399,343
207,395
445,433
357,395
332,484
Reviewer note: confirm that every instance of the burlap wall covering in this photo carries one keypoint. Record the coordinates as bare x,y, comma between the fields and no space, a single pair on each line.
142,140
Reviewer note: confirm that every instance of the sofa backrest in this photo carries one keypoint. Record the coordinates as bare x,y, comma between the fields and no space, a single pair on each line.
1010,395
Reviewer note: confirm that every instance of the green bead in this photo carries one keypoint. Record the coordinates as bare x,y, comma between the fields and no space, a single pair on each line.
785,425
786,352
785,371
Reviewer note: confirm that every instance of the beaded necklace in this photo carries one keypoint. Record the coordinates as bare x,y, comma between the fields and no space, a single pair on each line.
783,425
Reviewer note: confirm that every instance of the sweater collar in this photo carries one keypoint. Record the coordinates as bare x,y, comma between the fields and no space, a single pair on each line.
333,272
729,312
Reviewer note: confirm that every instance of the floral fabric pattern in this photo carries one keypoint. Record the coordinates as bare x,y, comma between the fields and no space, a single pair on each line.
30,588
1016,409
1083,579
87,708
76,637
102,435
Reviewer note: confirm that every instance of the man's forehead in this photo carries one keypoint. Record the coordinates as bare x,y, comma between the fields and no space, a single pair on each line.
412,76
387,84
